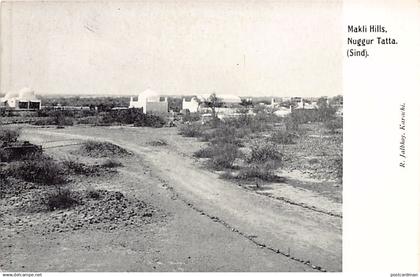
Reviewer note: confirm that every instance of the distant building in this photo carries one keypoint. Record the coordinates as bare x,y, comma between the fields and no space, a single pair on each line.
306,106
150,102
198,102
275,102
24,100
282,111
191,105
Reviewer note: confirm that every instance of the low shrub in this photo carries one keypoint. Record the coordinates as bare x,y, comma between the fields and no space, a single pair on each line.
206,152
39,169
99,149
291,124
258,172
60,199
313,161
128,116
62,120
334,125
191,130
245,124
43,121
326,112
93,120
132,116
221,155
265,153
149,120
223,135
191,117
59,120
242,121
111,163
22,151
301,116
159,142
282,137
92,192
225,157
47,112
9,135
76,167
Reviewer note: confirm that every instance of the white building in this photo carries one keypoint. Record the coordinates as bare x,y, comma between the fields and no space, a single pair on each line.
306,106
191,105
150,101
283,111
25,99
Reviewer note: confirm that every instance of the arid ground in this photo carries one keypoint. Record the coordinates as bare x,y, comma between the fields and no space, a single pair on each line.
186,218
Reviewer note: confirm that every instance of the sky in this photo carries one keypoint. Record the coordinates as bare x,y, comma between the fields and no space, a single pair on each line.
247,48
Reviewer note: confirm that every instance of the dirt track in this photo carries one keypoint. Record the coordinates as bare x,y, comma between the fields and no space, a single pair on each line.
225,227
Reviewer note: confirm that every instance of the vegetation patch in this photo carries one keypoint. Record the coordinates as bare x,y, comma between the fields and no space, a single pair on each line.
60,199
9,135
99,149
38,169
265,153
111,163
78,168
132,116
149,120
334,125
283,137
262,172
191,130
191,117
159,142
224,135
221,155
54,117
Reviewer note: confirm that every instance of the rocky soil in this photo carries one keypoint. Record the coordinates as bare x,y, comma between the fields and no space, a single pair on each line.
94,209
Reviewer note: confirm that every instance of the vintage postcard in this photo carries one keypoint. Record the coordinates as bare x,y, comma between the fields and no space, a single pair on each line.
196,136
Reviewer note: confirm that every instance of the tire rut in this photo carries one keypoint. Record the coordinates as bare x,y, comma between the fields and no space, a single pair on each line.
176,196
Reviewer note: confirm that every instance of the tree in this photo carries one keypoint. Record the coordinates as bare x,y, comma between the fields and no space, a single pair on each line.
212,102
337,100
325,110
175,104
246,102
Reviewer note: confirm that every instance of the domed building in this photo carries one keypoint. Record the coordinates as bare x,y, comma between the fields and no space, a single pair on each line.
25,99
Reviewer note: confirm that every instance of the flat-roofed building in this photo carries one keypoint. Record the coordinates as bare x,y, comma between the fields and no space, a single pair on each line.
150,101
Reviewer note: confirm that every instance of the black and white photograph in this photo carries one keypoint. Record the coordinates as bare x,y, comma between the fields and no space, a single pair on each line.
171,136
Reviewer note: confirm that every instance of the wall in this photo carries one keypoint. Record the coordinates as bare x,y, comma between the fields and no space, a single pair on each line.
156,107
191,105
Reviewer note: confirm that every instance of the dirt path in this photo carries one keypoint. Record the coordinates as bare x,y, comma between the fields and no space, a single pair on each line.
304,235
